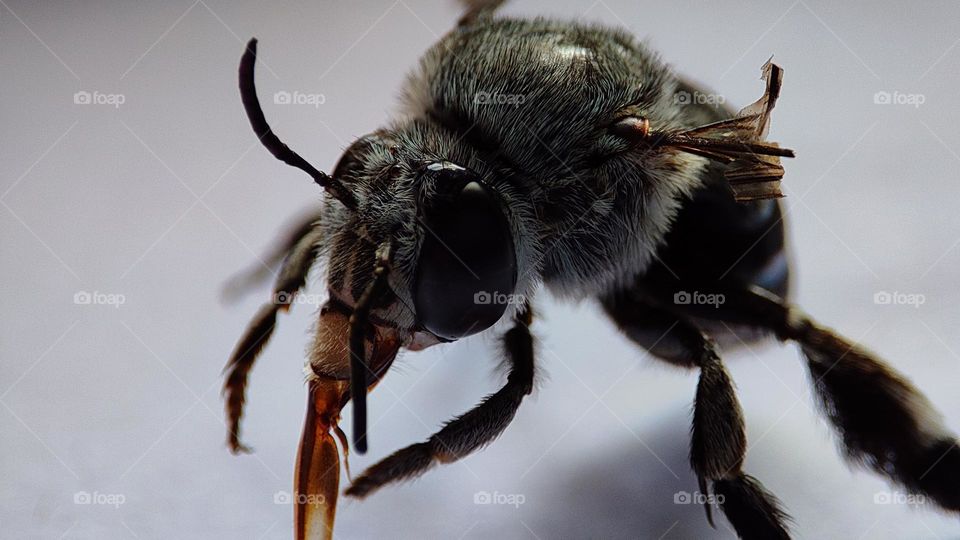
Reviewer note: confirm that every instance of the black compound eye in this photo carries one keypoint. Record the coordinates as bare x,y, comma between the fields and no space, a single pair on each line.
467,268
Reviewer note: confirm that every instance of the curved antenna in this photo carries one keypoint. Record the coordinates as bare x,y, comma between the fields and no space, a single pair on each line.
248,93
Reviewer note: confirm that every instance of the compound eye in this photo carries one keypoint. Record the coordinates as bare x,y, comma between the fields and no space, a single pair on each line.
467,267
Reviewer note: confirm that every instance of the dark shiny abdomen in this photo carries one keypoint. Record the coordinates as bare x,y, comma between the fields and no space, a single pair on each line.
717,243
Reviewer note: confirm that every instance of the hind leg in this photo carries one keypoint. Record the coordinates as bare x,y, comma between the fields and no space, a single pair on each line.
882,419
718,438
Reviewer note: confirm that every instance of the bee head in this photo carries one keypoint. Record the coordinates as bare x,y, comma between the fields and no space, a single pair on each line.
441,232
421,249
451,231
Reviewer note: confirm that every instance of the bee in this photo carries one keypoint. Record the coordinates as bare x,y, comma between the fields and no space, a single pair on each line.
540,154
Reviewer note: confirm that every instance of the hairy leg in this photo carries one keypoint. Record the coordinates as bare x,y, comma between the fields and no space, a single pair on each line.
718,436
475,10
258,273
468,432
292,276
884,422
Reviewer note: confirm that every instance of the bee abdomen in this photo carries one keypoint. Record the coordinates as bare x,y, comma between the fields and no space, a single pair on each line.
718,242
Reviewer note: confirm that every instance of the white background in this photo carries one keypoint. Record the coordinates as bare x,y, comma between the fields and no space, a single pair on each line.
162,198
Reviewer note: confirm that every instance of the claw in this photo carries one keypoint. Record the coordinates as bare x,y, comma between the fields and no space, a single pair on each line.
707,505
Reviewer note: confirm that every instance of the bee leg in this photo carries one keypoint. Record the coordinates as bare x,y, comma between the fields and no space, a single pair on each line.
468,432
477,10
247,279
717,449
718,439
883,420
292,276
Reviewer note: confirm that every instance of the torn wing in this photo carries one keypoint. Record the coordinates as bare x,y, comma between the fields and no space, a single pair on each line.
753,163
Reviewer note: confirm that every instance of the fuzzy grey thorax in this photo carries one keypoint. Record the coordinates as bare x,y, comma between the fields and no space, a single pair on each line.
527,106
534,99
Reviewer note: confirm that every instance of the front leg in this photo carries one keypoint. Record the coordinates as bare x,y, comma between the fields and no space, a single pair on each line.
468,432
298,253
